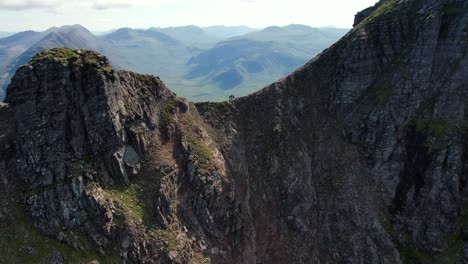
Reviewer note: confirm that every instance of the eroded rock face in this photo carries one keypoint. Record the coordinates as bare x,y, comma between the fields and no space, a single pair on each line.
362,149
357,157
81,113
407,113
79,122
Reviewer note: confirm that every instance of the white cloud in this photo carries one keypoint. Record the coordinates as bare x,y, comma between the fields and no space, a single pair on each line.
42,14
104,5
115,4
18,5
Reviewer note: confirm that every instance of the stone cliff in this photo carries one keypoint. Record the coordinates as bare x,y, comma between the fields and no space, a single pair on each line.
359,156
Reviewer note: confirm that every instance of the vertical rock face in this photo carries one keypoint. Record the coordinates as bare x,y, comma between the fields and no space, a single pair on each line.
357,157
82,111
362,150
78,122
406,111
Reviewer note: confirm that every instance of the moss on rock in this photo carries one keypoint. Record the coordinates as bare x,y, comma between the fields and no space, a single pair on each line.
435,127
166,115
64,55
20,242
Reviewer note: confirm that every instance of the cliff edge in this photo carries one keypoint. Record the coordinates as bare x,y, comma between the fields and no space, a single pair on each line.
359,156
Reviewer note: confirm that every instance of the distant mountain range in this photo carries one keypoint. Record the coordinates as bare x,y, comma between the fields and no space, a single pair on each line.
224,32
207,63
5,34
248,62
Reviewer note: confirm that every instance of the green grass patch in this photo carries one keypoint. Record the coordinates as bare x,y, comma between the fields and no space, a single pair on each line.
134,200
453,252
20,242
203,154
381,92
435,127
385,11
391,11
64,55
128,199
453,249
92,59
220,109
166,115
167,236
138,130
215,113
6,126
454,9
414,256
60,54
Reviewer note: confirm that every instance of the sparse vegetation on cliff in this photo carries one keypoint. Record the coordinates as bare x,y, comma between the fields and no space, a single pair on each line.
203,154
57,54
64,55
21,242
166,115
433,126
128,198
6,128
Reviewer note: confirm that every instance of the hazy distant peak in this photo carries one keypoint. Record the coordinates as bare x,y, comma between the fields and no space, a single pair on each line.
175,31
75,26
291,27
21,36
181,28
74,29
225,32
222,27
301,27
124,29
271,28
190,34
65,27
126,34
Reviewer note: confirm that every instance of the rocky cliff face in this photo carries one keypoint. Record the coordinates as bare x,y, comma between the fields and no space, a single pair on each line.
357,157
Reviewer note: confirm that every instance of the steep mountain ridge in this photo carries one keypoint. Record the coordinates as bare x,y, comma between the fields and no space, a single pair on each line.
73,37
357,157
21,48
10,48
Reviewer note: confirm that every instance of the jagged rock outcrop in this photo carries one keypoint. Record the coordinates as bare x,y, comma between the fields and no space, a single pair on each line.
357,157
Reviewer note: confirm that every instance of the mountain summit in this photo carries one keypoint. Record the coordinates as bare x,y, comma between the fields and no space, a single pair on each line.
359,156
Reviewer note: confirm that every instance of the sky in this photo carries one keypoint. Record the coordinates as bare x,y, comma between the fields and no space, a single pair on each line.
102,15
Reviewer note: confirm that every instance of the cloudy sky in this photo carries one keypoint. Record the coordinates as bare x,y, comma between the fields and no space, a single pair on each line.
100,15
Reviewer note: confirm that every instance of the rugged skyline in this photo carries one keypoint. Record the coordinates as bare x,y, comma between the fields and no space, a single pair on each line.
202,64
99,15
